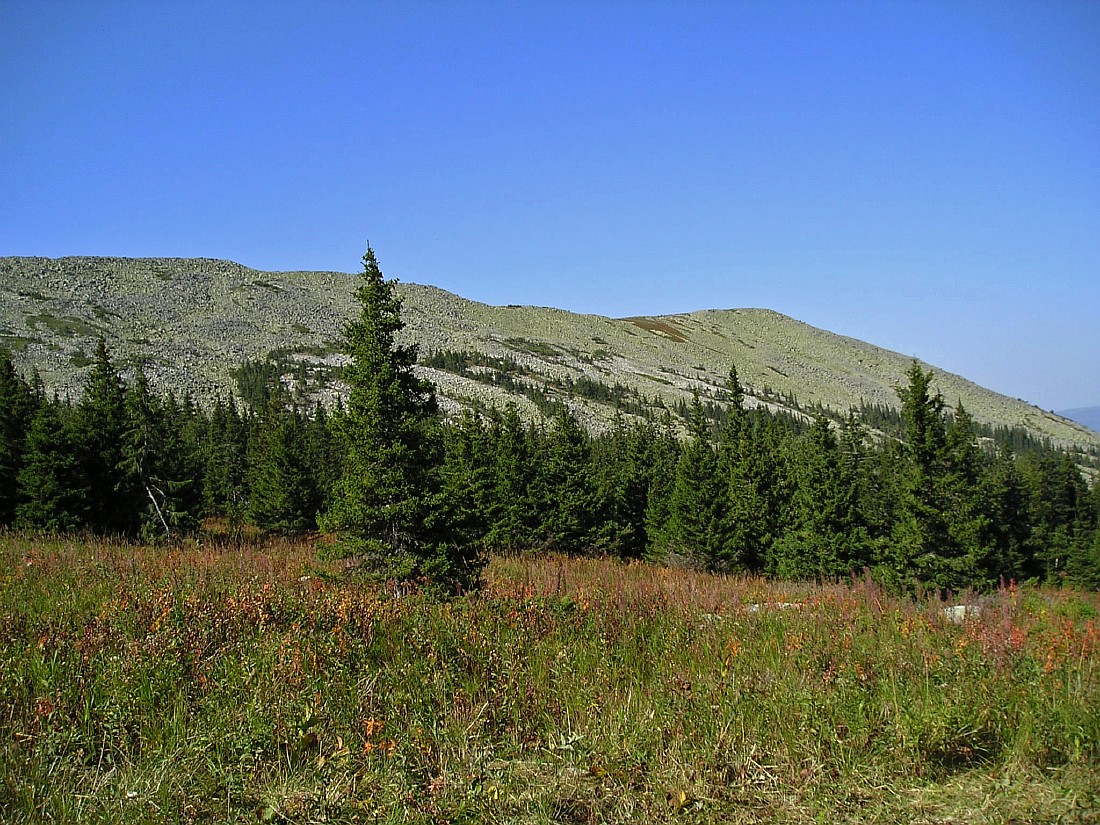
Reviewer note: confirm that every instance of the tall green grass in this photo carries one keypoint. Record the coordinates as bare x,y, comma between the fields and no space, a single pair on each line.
251,684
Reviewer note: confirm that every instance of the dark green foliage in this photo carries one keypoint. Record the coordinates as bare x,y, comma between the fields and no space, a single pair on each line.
323,454
921,547
826,537
409,495
387,507
634,466
285,495
17,405
665,460
697,507
565,490
469,475
752,466
1060,514
510,375
225,448
101,425
514,516
53,488
1004,489
257,381
160,467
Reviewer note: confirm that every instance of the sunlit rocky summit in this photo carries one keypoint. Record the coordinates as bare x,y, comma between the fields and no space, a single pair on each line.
192,322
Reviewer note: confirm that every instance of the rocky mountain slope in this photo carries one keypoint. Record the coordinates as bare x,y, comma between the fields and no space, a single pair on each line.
1089,416
192,321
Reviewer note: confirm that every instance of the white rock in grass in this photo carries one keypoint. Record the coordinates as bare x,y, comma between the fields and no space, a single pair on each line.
959,613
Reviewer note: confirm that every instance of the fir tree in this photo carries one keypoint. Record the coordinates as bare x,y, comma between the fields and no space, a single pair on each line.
470,478
17,405
1058,512
513,517
566,494
921,545
160,476
322,454
825,538
748,462
53,489
101,420
386,507
1005,490
697,504
284,496
627,463
663,464
969,551
225,450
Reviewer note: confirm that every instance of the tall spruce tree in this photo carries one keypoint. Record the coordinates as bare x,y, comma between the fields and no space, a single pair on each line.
161,480
1085,565
665,459
470,477
566,493
1005,490
825,538
225,448
387,508
968,510
748,462
627,463
695,529
515,462
101,420
922,546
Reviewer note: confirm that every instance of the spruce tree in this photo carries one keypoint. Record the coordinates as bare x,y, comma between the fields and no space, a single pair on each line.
1059,513
627,462
470,477
387,508
101,420
697,503
53,489
284,495
749,462
17,405
516,460
566,493
825,538
663,465
161,475
921,545
1005,491
224,453
968,511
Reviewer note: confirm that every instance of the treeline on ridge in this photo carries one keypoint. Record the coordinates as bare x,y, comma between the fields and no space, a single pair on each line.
747,491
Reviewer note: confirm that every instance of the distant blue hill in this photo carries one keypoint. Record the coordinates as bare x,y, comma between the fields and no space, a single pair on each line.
1089,416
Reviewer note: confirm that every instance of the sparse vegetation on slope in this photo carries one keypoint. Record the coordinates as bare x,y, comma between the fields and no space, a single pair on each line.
191,321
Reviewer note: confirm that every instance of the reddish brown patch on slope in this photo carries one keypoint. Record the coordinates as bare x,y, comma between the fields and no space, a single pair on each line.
664,328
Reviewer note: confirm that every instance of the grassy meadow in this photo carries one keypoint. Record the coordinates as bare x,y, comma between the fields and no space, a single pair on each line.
250,682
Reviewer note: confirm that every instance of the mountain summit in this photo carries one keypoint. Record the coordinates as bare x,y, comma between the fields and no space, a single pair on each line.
193,322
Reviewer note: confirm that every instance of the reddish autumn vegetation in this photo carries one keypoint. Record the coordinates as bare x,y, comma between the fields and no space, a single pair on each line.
253,683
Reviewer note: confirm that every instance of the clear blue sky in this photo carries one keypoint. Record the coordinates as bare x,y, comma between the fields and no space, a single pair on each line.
921,175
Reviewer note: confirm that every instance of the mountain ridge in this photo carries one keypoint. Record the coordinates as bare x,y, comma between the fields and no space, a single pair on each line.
1087,416
190,321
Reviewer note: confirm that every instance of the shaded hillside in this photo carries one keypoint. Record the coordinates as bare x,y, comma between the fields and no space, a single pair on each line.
193,321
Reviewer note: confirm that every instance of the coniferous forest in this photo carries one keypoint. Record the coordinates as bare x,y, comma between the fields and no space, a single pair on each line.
927,504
